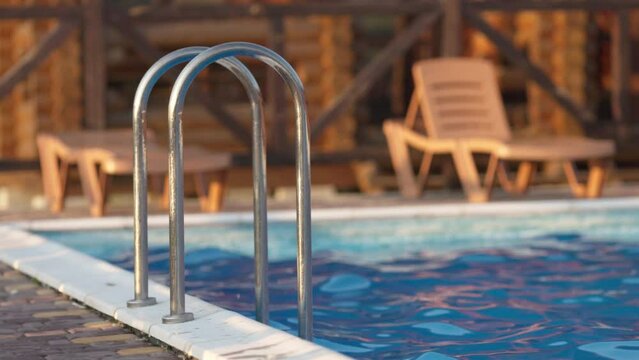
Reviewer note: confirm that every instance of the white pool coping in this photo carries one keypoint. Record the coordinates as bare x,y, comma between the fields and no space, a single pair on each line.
343,213
215,333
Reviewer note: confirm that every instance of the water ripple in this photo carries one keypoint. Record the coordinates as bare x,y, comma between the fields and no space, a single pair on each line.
431,290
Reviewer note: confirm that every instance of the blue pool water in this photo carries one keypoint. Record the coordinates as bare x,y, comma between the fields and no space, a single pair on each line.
555,286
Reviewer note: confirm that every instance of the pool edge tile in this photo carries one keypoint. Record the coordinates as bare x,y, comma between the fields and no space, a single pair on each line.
57,266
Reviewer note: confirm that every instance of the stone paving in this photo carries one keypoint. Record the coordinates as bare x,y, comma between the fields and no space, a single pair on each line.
39,323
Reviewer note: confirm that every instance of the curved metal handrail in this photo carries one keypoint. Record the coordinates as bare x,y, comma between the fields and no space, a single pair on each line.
176,176
155,72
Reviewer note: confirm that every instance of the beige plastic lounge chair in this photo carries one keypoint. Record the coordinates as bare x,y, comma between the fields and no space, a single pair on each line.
100,154
460,104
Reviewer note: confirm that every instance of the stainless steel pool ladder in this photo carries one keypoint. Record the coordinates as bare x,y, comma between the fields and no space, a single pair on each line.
155,72
176,177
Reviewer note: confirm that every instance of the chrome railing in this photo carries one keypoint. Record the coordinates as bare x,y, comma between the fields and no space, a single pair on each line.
222,54
140,166
176,176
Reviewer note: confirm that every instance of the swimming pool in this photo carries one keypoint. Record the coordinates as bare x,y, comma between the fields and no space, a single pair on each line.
534,286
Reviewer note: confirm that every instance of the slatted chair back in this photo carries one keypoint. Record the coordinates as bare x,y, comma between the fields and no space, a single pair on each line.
459,98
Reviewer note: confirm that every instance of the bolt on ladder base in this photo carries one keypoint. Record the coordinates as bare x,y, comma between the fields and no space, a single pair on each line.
177,318
136,303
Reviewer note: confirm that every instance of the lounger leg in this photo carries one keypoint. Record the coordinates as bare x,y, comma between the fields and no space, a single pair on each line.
51,176
365,173
491,173
165,194
64,177
578,189
468,175
91,184
525,175
217,189
596,178
212,198
424,170
504,180
200,189
105,184
400,159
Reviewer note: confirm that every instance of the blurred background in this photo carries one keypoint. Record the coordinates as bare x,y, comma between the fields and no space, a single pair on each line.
565,67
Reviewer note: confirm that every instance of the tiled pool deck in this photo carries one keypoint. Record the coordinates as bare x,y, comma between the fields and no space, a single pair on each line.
40,323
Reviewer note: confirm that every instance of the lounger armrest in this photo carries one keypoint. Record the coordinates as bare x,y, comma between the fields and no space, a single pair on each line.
418,140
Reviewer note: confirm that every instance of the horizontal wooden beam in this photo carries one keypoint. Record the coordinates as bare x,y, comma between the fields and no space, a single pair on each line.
122,22
7,165
510,51
452,28
38,12
549,5
326,7
35,56
376,153
359,7
373,71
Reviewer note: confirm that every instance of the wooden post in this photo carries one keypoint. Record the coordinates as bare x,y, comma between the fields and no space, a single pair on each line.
94,64
278,137
398,75
227,9
593,90
34,12
452,37
621,71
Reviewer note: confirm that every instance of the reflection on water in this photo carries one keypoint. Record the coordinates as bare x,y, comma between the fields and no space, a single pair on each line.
565,297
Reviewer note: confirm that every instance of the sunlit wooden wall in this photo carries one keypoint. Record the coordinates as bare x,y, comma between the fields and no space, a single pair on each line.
50,99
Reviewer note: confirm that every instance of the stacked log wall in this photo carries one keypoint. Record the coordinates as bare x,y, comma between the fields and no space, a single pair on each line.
48,99
512,80
556,42
318,47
